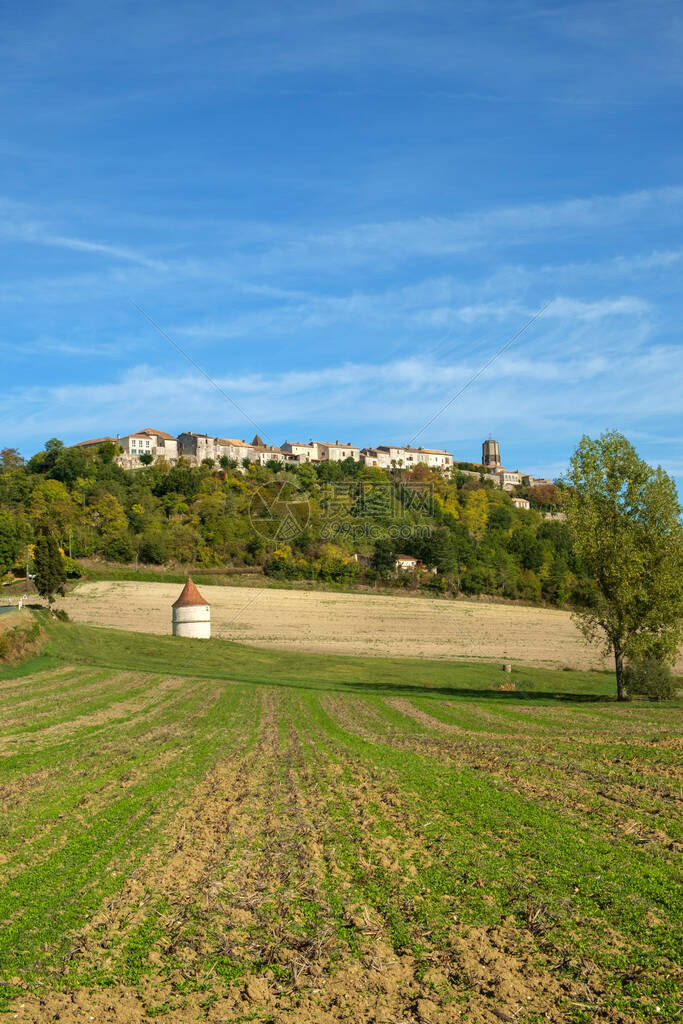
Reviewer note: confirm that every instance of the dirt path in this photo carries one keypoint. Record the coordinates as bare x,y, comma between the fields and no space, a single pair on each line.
350,623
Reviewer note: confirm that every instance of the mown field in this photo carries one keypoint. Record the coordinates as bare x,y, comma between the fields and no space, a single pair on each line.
214,832
356,624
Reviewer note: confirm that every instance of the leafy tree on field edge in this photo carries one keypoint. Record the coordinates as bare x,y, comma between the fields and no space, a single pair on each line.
624,519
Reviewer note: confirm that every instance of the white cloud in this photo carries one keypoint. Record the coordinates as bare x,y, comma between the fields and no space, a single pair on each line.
397,396
247,252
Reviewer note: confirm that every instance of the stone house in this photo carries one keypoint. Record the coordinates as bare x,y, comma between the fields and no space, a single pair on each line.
234,448
197,447
302,452
263,453
336,452
434,458
535,481
506,478
406,457
375,457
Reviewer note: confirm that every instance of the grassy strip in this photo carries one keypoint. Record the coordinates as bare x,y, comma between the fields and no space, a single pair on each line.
224,659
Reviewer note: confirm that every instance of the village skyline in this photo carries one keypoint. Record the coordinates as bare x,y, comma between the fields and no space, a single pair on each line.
150,445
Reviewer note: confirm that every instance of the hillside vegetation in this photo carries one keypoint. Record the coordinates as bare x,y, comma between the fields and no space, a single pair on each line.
292,523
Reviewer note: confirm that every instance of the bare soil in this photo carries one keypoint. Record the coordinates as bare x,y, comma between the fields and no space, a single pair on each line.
351,623
244,862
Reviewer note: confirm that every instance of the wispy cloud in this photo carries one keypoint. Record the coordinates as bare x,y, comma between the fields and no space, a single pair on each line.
15,226
270,248
393,397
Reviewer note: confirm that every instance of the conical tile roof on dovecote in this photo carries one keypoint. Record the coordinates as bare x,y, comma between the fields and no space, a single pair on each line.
188,596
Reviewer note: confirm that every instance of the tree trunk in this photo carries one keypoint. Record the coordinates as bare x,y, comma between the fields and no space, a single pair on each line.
619,666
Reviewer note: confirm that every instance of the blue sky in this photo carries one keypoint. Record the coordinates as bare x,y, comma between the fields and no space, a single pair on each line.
340,215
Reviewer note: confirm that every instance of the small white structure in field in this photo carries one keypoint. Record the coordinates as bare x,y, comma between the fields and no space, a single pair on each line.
191,614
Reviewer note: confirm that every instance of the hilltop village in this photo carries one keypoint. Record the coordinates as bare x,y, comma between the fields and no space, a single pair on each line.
315,511
149,446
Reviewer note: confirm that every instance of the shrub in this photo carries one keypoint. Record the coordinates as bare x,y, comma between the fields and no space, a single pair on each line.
117,548
14,642
154,547
650,678
72,568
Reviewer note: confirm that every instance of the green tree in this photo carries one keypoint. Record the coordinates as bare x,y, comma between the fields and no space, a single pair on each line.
476,513
624,518
384,557
10,458
49,567
440,550
107,452
14,534
308,478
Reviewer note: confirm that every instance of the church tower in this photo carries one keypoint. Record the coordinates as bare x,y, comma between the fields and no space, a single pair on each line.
490,454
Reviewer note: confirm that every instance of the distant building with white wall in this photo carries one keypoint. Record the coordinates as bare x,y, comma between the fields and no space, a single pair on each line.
263,453
405,457
191,615
521,503
156,443
508,479
406,563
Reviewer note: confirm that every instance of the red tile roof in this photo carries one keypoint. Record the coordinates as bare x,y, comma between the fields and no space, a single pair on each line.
96,440
189,595
159,433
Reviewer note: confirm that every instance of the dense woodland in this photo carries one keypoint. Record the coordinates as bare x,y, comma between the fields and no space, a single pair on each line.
294,522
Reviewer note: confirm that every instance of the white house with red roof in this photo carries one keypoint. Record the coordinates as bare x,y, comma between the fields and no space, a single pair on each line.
156,443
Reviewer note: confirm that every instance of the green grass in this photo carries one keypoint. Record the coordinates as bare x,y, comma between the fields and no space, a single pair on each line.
208,577
224,659
405,793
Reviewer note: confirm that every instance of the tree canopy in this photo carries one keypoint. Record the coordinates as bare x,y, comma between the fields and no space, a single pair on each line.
624,520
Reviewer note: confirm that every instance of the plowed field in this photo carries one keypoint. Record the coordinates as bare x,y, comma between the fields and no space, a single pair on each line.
363,846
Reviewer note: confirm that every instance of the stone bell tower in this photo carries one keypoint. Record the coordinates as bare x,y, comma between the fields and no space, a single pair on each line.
490,454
